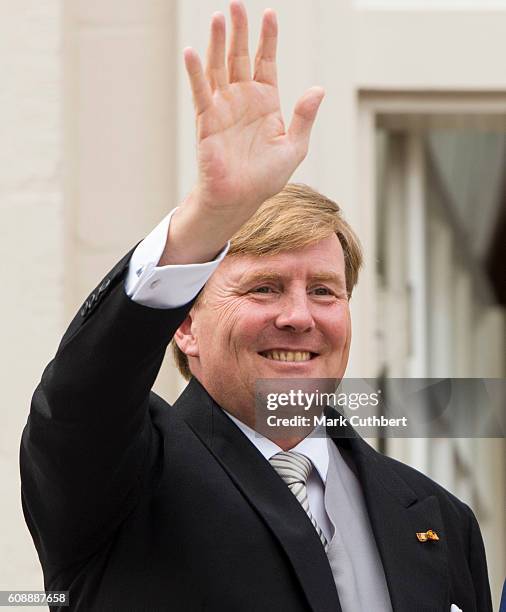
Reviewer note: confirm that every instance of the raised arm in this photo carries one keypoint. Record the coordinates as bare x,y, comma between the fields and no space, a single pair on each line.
85,452
86,449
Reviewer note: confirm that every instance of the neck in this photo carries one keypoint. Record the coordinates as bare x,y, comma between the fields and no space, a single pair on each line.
286,437
285,442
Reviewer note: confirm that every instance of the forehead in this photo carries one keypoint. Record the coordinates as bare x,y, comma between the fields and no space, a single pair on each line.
318,258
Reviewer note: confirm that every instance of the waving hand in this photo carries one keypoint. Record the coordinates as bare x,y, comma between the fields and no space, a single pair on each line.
245,154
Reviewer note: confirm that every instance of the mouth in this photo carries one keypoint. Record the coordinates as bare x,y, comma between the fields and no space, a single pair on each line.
281,355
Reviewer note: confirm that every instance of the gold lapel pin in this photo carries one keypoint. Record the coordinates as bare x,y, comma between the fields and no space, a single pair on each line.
424,536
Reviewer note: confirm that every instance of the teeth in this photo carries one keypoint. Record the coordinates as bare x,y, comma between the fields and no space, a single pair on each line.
287,355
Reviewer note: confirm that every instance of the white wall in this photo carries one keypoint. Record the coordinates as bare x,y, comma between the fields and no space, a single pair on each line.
31,245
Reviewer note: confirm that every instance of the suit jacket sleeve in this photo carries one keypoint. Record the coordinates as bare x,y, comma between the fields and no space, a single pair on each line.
85,448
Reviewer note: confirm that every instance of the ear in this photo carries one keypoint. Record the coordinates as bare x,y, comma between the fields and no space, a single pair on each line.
185,337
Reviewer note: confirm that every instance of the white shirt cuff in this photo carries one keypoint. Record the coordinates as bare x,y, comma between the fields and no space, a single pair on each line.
165,286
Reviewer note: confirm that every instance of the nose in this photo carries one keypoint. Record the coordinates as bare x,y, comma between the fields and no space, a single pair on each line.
295,313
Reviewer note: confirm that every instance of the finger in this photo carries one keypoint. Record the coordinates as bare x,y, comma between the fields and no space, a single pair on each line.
303,118
265,59
239,68
216,73
202,94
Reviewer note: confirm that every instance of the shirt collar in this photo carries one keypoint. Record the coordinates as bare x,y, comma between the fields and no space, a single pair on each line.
313,446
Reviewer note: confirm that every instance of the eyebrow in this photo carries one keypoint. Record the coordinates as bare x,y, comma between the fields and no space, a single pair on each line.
322,277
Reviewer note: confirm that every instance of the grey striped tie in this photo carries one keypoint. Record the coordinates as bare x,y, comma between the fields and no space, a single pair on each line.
294,468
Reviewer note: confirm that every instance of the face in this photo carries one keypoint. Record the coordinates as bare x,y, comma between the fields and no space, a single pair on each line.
260,313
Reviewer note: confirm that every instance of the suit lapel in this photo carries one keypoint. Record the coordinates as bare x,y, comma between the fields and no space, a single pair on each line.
416,572
266,493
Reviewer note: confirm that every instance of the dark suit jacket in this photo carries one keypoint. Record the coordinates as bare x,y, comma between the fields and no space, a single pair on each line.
134,505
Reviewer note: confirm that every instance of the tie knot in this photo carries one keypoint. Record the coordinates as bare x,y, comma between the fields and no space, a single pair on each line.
292,466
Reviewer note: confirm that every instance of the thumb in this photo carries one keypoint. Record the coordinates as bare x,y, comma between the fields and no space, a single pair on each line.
304,115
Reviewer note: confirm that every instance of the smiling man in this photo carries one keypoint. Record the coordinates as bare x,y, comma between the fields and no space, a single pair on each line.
270,312
137,505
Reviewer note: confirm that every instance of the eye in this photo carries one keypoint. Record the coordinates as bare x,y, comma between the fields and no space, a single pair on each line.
262,289
325,290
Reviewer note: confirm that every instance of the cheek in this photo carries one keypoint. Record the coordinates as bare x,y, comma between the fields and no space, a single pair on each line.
338,328
248,323
229,324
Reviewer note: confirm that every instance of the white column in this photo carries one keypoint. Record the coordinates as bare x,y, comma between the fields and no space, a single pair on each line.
416,450
121,128
440,313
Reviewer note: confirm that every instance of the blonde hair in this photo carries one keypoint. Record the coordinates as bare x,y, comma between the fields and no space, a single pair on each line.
293,218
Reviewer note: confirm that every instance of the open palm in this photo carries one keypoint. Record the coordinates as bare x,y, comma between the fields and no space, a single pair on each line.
244,152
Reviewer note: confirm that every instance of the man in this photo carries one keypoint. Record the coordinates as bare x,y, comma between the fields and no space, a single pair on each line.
135,505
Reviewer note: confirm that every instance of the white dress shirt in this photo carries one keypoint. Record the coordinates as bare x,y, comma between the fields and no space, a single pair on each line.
165,286
314,447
